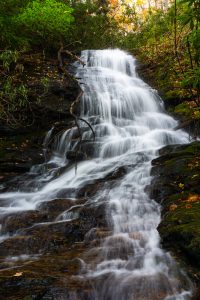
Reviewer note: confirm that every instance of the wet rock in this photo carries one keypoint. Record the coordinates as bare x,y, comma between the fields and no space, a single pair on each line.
17,154
89,190
176,186
67,193
151,287
21,288
55,206
93,187
116,174
179,166
47,277
75,156
196,295
51,237
90,149
20,220
87,150
49,274
94,215
64,89
96,234
15,167
43,238
46,211
76,132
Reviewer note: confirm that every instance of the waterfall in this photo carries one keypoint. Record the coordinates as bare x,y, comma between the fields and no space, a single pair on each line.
130,125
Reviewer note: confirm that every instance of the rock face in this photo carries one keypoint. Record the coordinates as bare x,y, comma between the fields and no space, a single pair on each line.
176,186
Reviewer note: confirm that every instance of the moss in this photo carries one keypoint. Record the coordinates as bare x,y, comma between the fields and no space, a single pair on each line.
176,186
180,230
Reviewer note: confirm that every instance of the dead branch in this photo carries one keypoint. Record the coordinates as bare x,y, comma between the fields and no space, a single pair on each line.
74,57
80,134
76,119
89,125
62,51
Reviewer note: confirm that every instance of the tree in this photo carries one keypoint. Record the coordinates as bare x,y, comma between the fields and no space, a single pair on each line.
45,22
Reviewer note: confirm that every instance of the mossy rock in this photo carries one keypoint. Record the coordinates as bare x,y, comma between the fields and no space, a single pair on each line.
176,187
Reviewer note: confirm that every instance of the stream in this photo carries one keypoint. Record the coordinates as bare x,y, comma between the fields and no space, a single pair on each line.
130,126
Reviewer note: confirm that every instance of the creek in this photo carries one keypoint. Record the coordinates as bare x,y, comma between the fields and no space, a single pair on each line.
130,126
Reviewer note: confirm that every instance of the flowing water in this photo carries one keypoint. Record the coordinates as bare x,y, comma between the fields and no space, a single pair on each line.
130,125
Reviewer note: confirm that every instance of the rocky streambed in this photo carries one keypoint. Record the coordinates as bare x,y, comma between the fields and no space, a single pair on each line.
43,252
43,258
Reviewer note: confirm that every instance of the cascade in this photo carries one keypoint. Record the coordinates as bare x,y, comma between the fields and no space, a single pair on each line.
130,125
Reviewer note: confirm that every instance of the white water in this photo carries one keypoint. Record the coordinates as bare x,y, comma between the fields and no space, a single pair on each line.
130,126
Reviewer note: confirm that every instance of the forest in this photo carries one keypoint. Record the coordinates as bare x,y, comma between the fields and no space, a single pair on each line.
162,33
99,149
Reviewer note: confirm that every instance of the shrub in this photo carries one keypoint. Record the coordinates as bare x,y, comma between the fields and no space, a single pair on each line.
45,22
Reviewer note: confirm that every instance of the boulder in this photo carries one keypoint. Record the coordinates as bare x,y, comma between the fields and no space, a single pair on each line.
175,185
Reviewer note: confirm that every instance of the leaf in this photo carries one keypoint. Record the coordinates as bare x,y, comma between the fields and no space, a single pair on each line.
188,206
173,207
18,274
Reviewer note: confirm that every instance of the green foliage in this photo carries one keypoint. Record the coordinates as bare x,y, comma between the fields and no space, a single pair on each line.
45,83
13,99
10,36
38,25
190,17
45,22
93,28
183,109
196,113
192,78
169,41
8,57
14,94
151,34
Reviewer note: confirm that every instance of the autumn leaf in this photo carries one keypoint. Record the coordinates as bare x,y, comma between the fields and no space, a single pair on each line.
18,274
181,185
193,198
173,207
188,206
